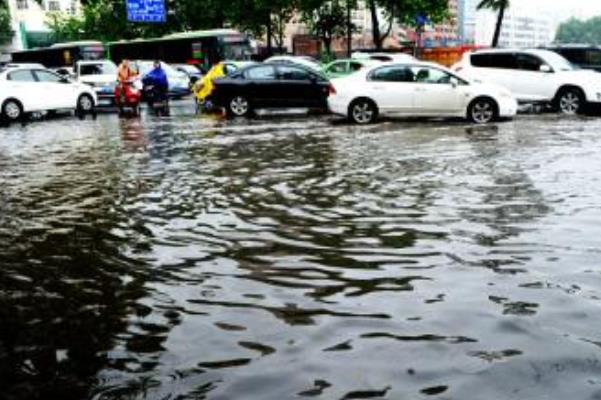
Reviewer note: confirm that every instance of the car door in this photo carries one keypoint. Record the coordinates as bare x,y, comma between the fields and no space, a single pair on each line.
531,83
59,92
436,92
261,86
495,67
301,88
391,87
26,88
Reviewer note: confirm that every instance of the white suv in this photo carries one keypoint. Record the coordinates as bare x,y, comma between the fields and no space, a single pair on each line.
534,76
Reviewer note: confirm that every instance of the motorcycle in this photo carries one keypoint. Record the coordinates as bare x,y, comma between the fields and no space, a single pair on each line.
157,99
128,94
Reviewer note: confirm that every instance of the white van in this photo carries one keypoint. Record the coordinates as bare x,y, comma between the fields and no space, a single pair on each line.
534,76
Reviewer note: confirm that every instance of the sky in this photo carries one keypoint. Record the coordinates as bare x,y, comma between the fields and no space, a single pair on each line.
564,9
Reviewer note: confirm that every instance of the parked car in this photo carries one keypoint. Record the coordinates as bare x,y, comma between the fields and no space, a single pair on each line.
384,57
580,55
307,62
417,89
179,84
535,76
203,88
192,72
102,76
270,85
344,67
26,90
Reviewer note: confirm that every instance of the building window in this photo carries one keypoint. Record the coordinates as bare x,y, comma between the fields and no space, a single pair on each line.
22,5
54,5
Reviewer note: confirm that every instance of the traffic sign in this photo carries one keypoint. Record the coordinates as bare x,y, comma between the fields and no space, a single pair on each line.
151,11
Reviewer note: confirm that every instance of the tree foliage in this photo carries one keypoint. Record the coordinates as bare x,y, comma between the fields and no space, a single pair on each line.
6,32
327,19
404,12
499,6
578,31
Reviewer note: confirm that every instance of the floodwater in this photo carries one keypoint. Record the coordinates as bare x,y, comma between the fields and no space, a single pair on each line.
293,258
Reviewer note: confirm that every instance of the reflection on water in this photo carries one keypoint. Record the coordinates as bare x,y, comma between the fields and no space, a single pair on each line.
185,258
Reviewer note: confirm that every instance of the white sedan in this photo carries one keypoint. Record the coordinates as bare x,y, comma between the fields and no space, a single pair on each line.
417,89
25,90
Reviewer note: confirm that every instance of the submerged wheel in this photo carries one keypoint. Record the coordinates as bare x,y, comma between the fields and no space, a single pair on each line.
12,110
363,111
85,103
570,101
239,106
482,111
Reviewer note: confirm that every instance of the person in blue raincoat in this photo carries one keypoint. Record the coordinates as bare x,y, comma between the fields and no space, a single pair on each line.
157,78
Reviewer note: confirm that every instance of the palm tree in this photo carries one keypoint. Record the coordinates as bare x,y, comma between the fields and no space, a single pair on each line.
496,5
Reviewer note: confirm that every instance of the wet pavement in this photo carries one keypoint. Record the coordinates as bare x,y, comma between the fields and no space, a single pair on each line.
190,257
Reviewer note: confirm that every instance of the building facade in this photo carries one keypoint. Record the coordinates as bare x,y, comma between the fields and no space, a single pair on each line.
521,28
443,34
467,21
29,19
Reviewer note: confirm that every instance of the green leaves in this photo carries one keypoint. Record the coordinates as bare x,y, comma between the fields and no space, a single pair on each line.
494,5
578,31
6,32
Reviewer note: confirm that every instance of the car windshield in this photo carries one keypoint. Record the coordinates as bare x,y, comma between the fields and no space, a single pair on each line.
557,62
105,68
145,67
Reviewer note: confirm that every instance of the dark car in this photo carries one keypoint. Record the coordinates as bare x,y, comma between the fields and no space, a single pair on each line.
271,85
582,56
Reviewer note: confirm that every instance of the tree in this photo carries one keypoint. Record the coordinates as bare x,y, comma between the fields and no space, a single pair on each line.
326,20
499,6
404,12
6,32
577,31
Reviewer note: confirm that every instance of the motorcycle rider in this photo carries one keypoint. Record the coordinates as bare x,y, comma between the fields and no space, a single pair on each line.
124,74
157,78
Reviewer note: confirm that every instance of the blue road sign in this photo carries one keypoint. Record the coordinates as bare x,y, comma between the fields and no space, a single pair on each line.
152,11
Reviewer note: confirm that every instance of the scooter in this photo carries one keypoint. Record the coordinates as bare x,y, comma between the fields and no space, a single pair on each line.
157,100
128,94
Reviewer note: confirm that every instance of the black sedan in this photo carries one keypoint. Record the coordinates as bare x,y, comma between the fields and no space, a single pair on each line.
270,85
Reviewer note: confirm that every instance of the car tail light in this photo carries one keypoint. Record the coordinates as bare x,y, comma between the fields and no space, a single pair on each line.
331,89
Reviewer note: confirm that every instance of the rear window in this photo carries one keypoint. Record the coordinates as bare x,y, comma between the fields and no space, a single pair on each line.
494,60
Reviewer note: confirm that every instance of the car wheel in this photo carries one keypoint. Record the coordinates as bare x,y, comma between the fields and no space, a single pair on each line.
85,103
363,111
482,111
12,110
239,106
570,101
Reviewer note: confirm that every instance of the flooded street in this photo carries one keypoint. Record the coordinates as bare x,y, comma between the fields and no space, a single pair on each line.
190,258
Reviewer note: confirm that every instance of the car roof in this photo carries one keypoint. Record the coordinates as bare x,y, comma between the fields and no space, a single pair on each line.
540,52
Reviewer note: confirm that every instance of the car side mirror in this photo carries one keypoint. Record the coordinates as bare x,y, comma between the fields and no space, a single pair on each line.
454,82
545,68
